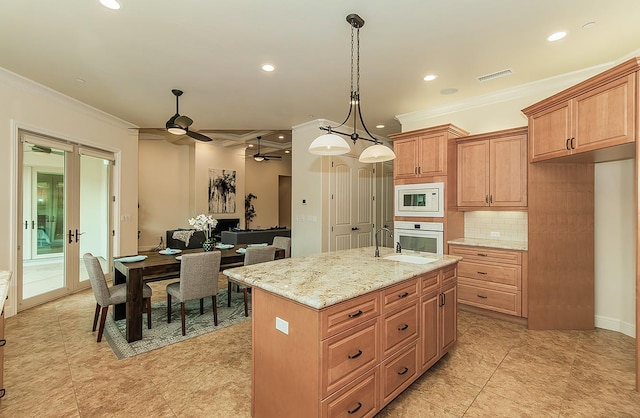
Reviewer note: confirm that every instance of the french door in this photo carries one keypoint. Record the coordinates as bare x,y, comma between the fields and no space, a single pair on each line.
66,209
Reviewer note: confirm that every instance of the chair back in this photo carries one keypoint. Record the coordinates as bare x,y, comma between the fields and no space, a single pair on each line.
255,255
284,243
199,275
97,279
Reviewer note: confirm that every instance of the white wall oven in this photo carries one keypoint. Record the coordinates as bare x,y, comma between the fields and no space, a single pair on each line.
425,200
420,236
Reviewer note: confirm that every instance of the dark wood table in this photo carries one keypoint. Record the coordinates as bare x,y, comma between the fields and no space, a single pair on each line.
156,267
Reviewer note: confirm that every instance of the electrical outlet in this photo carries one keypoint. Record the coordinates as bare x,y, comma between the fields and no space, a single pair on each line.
282,325
494,234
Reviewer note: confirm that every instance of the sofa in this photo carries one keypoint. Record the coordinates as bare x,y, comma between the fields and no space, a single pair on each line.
253,236
183,239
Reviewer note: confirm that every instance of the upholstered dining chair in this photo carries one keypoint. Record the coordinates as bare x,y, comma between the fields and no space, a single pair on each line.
106,295
254,255
198,279
284,243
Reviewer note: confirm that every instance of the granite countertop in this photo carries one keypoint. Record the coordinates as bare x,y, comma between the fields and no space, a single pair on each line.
324,279
491,243
5,279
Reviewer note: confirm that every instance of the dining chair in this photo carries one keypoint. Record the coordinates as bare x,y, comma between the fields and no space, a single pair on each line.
253,255
106,295
198,279
284,243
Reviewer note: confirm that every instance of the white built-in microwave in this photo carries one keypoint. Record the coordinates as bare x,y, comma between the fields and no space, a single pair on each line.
425,200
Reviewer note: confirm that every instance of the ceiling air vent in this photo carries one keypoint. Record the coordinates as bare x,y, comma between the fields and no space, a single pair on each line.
497,74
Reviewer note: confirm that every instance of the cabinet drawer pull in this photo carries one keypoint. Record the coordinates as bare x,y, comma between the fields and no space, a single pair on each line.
482,296
566,145
356,314
481,272
481,254
354,410
403,295
405,369
3,342
573,143
402,328
356,355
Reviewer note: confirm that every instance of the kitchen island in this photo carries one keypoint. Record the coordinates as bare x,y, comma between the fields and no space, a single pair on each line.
344,333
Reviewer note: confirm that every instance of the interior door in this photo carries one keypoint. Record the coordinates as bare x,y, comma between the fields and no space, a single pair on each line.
352,210
66,211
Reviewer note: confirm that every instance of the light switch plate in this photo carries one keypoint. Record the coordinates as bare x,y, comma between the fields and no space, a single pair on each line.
282,325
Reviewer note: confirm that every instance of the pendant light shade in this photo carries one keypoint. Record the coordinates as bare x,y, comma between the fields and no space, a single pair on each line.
377,153
329,144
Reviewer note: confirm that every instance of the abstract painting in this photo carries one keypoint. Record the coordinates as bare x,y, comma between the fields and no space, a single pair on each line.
222,191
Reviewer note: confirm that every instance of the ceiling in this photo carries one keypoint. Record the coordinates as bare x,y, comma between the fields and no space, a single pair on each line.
129,60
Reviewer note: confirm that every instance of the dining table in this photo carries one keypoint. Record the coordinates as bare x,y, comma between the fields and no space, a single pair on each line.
154,267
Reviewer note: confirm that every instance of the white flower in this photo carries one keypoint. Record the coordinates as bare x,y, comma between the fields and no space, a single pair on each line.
205,223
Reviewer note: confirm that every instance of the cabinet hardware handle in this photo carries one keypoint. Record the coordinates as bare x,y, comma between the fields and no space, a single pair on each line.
482,296
573,142
356,314
403,295
402,328
566,145
441,299
2,393
419,170
481,272
3,342
403,371
356,355
481,255
490,198
354,410
486,198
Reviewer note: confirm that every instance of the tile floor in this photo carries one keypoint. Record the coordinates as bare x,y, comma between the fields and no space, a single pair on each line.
55,368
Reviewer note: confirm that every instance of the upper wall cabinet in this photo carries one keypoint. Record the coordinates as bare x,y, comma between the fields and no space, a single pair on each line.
593,121
423,153
492,170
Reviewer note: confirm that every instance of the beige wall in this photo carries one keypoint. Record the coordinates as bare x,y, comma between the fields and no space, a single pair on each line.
615,247
36,108
262,179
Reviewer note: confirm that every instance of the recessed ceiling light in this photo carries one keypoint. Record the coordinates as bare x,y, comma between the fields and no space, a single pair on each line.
80,80
430,77
268,67
250,145
588,25
280,136
287,152
556,36
451,90
110,4
380,126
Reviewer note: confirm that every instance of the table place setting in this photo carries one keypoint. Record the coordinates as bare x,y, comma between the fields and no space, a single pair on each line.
131,259
169,251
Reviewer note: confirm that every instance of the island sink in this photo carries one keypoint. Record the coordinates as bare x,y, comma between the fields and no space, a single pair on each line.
414,259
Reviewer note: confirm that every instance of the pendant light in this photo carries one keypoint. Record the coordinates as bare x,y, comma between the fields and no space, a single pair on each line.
332,144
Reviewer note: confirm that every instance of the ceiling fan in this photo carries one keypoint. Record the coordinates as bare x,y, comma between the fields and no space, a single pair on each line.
262,157
179,124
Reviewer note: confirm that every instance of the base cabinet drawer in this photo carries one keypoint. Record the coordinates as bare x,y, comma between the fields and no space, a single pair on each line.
507,276
505,302
356,400
399,328
398,372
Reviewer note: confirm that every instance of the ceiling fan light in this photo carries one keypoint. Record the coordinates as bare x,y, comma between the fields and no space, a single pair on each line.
376,154
258,158
176,130
329,144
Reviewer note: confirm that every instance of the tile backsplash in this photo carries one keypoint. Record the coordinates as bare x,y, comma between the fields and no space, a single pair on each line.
497,225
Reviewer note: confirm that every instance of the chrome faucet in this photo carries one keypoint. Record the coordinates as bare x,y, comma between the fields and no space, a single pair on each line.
377,253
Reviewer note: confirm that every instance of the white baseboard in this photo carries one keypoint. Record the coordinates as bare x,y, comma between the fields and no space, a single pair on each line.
613,324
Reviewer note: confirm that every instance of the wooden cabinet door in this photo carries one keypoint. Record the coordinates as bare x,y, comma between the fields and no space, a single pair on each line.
508,171
473,174
448,317
404,165
549,133
605,116
429,343
431,157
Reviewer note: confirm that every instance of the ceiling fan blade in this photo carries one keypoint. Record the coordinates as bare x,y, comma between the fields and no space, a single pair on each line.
183,121
271,157
198,136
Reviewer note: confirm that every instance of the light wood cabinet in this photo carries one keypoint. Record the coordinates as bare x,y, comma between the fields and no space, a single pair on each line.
598,114
491,278
492,170
423,153
352,358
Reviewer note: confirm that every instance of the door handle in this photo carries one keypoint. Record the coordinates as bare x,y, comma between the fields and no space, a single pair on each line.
354,228
26,224
70,237
33,224
78,235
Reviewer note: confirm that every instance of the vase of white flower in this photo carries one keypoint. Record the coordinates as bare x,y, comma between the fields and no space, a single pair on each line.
206,224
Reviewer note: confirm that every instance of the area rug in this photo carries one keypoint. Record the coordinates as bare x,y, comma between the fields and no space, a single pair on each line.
162,334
